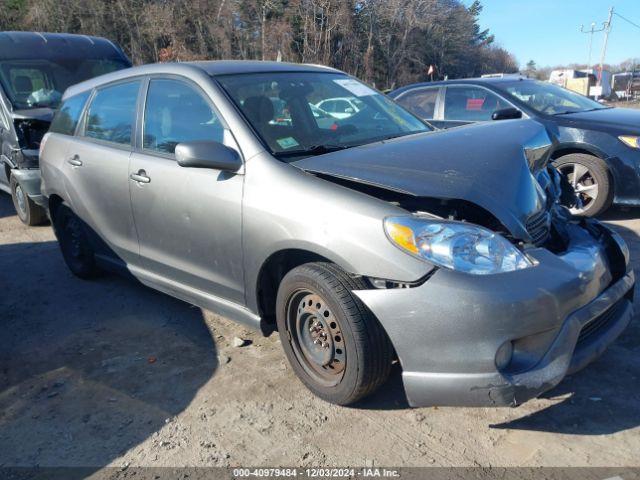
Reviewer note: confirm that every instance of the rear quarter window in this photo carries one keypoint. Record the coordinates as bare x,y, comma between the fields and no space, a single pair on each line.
67,117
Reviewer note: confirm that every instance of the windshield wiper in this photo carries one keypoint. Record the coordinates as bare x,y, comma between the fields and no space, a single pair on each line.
313,150
567,112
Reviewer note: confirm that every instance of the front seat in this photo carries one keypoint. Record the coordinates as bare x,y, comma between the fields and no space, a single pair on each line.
259,110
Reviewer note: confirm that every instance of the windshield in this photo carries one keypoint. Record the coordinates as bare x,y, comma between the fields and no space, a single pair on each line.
309,113
41,83
549,98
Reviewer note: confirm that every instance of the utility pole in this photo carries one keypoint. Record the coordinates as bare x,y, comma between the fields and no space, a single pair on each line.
607,29
590,32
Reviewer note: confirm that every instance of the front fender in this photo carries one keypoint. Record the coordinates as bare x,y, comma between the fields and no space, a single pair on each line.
286,208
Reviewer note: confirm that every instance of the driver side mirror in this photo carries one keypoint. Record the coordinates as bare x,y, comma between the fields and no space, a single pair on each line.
506,114
208,154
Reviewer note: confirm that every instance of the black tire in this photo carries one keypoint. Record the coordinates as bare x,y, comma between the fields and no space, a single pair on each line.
365,352
72,237
597,173
28,212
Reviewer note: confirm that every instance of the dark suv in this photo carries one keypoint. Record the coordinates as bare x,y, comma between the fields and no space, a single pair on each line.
598,146
35,69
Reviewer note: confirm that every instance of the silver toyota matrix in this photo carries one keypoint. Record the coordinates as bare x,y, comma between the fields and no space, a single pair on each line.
295,198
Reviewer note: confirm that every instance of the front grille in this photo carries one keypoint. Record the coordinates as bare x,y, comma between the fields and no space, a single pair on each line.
601,322
538,227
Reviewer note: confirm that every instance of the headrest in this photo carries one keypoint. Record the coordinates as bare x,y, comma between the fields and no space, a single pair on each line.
23,84
259,109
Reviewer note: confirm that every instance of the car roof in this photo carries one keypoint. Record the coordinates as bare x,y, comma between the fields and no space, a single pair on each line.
468,81
36,46
230,67
197,70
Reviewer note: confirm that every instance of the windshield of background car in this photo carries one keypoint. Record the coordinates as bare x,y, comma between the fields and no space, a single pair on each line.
307,113
41,83
549,98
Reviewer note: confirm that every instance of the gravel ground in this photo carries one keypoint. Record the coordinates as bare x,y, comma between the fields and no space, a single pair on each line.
109,372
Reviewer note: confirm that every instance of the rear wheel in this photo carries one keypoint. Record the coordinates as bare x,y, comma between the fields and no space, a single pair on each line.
334,344
590,179
74,243
28,212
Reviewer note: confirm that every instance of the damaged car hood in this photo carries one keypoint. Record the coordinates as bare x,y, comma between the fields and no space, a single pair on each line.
492,165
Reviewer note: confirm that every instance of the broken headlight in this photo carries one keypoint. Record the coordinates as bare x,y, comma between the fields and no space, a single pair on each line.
455,245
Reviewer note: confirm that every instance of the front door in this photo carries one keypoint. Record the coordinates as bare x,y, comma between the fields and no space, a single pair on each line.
465,104
188,219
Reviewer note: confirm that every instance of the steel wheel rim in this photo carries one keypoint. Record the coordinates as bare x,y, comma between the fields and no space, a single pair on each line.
316,338
584,184
21,201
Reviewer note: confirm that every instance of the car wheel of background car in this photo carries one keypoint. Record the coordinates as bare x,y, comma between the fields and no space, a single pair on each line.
74,244
334,344
590,179
28,212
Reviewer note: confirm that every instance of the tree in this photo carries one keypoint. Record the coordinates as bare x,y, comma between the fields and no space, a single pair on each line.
530,71
388,43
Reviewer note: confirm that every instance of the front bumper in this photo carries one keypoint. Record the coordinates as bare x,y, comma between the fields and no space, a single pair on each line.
557,317
29,179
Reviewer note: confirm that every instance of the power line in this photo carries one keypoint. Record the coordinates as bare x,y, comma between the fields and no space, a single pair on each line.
626,20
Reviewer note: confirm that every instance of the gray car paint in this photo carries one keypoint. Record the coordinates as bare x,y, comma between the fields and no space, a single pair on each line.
208,242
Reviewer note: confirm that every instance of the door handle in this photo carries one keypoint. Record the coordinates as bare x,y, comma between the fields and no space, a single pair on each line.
75,161
140,177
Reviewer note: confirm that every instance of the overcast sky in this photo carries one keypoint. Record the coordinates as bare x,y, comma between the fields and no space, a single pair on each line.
548,31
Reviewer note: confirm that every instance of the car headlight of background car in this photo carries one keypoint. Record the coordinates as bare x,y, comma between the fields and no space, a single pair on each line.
455,245
630,140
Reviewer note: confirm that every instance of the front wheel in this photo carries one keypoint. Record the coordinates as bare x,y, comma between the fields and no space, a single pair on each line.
334,344
591,182
28,211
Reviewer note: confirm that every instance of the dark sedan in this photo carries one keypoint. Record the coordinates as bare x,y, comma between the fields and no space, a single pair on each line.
598,146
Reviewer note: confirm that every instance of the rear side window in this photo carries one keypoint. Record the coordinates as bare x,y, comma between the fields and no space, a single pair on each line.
112,112
421,102
67,118
175,113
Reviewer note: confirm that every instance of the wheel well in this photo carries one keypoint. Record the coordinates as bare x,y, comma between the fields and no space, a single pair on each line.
54,203
561,152
272,272
7,171
567,151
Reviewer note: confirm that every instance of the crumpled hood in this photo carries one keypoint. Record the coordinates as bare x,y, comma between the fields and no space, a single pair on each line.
491,165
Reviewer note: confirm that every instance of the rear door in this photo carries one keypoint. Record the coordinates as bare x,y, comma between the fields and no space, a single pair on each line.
188,219
465,104
97,169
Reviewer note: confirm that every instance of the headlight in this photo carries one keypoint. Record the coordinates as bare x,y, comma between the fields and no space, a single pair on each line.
630,141
455,245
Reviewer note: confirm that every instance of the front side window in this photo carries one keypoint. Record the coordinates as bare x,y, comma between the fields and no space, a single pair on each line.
471,104
111,115
176,113
550,99
421,101
67,118
315,121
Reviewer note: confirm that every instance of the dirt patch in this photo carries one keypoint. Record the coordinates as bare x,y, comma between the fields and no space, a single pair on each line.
109,372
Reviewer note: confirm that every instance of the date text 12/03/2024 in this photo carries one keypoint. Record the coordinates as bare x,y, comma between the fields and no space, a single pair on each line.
367,472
